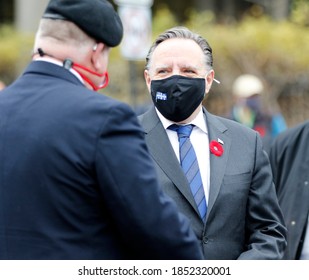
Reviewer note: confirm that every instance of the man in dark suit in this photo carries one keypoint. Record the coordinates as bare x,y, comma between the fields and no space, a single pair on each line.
289,158
232,206
76,179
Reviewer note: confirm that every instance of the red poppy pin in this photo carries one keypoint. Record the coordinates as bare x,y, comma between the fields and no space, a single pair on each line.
216,147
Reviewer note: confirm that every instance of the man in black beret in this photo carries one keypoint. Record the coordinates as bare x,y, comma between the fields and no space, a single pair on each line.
76,179
95,17
102,29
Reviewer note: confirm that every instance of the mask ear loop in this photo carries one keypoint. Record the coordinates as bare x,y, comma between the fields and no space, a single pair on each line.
106,80
215,80
67,64
96,88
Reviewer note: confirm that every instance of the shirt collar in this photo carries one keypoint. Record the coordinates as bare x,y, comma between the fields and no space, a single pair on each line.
199,121
53,61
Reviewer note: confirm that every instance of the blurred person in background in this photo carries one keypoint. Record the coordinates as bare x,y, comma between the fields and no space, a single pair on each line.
2,85
76,178
249,109
289,158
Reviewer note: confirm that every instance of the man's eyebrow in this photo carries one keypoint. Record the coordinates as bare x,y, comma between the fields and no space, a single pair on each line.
181,66
190,68
161,67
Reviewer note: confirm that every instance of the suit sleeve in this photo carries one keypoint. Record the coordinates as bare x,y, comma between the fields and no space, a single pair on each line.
146,219
264,222
273,162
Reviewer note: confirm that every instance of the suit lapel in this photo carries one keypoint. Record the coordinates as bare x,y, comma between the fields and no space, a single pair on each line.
163,153
216,130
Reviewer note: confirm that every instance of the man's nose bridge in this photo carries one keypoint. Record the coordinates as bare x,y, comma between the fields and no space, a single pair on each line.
176,71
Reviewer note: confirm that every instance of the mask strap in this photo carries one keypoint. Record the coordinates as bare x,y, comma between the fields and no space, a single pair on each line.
215,80
68,64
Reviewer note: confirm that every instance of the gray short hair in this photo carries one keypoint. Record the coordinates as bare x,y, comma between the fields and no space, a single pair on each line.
62,31
185,33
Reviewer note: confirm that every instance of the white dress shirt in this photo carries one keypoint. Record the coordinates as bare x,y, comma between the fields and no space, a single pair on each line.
200,142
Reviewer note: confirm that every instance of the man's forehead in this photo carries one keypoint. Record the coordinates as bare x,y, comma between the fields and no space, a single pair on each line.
178,63
178,60
179,43
178,49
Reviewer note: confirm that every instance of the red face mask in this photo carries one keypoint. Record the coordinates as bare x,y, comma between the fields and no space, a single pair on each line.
75,66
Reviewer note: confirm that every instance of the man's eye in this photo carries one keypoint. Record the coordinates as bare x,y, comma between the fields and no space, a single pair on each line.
189,71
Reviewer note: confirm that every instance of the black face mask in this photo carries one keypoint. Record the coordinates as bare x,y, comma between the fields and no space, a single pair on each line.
177,97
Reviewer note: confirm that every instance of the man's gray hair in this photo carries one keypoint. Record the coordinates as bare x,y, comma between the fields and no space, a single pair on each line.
62,31
185,33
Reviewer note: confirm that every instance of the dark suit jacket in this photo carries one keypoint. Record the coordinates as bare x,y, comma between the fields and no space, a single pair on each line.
76,179
244,220
289,158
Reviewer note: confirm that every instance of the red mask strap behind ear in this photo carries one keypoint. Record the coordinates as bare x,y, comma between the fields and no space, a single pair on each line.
95,87
67,64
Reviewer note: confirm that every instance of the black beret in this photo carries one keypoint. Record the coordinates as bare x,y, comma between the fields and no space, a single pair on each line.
97,18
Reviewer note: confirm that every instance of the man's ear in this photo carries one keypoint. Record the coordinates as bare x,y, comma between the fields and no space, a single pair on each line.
96,57
209,79
147,79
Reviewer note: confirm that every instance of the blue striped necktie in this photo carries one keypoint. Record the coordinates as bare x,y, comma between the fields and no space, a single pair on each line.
189,164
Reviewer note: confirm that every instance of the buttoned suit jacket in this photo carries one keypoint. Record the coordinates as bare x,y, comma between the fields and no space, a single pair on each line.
76,179
244,220
289,158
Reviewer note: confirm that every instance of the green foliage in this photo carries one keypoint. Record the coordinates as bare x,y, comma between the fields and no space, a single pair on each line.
300,12
259,46
163,20
12,49
9,45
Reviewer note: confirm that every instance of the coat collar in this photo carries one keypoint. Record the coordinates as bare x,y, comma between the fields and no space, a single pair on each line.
46,68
